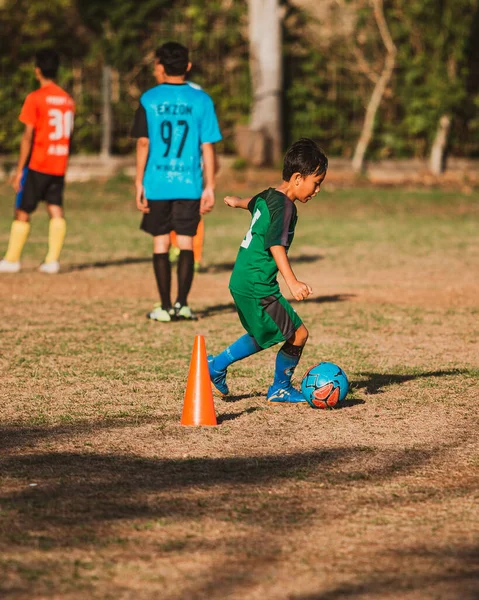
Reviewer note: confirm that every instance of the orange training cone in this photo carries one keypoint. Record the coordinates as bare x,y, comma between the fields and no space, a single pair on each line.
198,406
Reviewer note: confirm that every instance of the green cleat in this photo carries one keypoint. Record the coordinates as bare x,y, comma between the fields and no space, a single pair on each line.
162,315
184,313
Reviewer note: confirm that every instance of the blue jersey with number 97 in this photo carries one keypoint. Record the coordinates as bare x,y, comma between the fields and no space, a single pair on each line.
177,119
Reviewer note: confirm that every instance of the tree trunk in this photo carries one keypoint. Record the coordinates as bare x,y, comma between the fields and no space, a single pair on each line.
107,116
266,71
379,88
438,150
437,161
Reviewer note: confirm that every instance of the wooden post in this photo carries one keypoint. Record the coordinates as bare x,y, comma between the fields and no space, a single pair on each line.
107,116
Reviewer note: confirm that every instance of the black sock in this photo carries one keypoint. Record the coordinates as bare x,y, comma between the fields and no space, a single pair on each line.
162,268
186,269
291,349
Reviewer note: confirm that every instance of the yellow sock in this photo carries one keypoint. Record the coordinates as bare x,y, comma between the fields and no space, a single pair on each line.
56,237
18,236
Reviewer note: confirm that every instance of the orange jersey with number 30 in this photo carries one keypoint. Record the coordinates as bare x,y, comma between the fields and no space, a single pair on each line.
50,111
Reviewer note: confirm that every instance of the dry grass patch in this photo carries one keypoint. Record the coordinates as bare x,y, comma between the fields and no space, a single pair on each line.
104,495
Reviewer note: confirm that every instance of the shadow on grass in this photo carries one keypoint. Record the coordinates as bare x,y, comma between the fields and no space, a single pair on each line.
213,268
228,266
349,403
331,298
79,497
81,488
324,299
346,403
232,416
237,397
102,264
435,581
376,382
218,309
19,436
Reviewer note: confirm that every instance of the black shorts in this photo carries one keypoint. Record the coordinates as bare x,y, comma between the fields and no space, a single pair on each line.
165,216
38,186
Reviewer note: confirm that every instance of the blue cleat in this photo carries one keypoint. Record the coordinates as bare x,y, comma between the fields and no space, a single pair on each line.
218,378
285,395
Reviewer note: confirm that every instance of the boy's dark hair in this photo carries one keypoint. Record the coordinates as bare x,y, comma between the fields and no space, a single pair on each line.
48,62
174,58
306,158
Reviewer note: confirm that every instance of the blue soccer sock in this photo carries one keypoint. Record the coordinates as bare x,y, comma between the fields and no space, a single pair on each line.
244,346
286,362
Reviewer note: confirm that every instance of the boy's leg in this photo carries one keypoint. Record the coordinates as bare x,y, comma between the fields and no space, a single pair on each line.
158,224
56,236
18,236
244,346
286,361
162,270
185,268
185,219
25,203
52,192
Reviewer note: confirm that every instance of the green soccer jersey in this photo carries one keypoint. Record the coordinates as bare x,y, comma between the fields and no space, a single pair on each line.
274,218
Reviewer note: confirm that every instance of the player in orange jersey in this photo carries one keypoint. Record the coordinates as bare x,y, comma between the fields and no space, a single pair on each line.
47,115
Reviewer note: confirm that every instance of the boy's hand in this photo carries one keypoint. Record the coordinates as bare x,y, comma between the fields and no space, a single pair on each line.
300,290
207,200
141,201
232,201
17,181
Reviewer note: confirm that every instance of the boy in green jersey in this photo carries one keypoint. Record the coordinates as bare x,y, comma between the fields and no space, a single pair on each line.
264,312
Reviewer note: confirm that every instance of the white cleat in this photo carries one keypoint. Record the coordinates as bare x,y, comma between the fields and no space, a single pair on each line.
51,268
7,266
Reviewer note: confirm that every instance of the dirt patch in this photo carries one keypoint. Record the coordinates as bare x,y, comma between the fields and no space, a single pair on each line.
104,495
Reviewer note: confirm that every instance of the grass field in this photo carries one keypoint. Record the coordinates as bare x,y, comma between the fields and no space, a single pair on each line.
104,495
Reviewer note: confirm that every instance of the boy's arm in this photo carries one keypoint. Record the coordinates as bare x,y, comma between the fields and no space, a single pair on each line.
25,148
237,202
209,170
298,289
142,150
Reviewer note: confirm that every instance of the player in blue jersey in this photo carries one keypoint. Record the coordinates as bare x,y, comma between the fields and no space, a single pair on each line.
199,239
176,129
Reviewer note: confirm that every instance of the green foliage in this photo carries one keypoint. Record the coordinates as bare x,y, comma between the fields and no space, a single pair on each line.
432,39
28,26
320,101
325,93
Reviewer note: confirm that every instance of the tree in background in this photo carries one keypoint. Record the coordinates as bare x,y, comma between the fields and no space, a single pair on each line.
356,24
28,26
332,58
120,30
381,82
409,111
434,40
265,52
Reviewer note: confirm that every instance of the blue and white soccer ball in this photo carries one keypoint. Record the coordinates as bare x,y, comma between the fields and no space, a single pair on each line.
324,385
